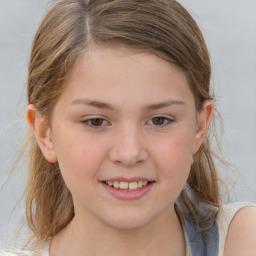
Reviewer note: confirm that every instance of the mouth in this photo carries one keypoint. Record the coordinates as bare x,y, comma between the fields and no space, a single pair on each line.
129,186
124,188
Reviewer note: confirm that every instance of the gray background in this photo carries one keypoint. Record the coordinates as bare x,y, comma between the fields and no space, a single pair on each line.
229,29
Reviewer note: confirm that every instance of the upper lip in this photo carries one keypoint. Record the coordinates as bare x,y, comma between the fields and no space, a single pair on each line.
128,179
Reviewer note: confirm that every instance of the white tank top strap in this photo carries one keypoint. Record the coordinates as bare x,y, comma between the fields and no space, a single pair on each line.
42,250
16,253
225,216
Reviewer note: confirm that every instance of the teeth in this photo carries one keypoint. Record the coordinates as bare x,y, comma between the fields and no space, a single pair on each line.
144,183
140,184
123,185
127,185
116,184
133,185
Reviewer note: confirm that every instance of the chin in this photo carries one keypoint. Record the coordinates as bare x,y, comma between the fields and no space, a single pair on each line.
128,224
128,221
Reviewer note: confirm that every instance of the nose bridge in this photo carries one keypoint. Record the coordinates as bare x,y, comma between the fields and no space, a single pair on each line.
127,147
129,140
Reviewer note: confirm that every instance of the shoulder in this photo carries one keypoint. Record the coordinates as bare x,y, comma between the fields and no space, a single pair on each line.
16,253
41,249
241,229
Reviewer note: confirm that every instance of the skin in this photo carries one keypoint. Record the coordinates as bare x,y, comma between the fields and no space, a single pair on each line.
241,235
129,142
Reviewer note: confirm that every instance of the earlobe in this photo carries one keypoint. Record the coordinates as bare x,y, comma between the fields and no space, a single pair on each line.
42,133
204,118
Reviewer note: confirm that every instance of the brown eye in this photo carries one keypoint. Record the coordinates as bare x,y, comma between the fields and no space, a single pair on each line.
161,121
97,121
158,120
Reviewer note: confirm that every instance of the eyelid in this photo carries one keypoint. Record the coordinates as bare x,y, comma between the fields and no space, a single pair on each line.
163,115
86,121
167,118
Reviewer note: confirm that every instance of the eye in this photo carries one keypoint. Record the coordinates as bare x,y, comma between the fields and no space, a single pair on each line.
95,122
160,121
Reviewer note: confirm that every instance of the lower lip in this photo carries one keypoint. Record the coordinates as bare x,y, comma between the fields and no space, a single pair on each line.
124,194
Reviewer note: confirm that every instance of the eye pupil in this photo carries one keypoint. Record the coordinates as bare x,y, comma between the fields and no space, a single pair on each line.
97,121
158,120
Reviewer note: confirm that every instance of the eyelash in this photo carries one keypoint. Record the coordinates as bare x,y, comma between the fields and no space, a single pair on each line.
166,121
88,122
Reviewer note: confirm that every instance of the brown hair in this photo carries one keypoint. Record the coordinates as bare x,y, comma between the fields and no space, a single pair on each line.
162,27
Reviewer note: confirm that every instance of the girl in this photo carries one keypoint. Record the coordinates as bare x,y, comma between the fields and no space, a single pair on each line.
119,107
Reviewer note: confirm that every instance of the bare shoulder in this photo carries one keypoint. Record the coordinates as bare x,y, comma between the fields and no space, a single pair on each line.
241,236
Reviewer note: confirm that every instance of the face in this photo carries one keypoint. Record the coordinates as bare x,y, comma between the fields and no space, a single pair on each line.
123,132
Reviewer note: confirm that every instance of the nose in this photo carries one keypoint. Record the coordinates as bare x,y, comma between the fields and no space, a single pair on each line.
127,148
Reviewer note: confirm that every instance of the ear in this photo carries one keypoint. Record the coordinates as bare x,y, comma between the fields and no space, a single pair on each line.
203,121
42,133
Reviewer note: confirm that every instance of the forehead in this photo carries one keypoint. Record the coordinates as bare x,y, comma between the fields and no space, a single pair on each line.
123,73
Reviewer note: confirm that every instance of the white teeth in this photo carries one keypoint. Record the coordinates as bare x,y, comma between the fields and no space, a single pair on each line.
123,185
133,185
116,184
127,185
140,184
144,183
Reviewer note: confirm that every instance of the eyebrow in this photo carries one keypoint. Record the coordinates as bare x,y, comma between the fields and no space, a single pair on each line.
93,103
164,104
102,105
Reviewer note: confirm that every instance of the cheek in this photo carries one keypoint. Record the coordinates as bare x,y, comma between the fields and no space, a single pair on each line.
174,156
173,164
79,157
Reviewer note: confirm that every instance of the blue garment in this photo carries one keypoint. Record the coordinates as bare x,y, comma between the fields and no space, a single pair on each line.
203,247
208,243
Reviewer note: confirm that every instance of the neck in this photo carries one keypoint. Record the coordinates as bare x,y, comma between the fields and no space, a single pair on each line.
163,236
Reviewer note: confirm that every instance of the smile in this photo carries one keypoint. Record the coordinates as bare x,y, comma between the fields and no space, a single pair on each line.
127,185
128,190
